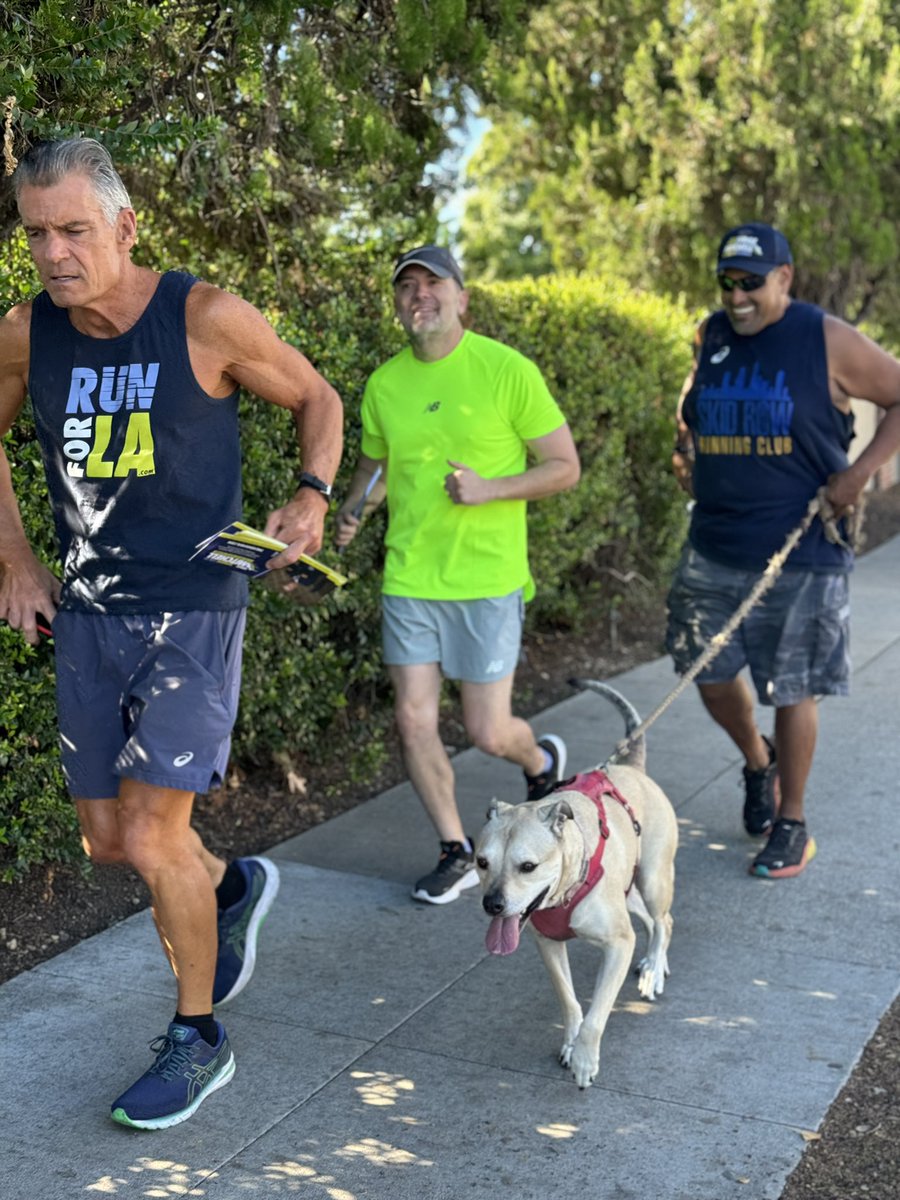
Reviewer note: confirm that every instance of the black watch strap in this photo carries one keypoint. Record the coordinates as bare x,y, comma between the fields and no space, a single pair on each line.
314,482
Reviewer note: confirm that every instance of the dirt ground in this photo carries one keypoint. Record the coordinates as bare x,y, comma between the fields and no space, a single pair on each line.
856,1153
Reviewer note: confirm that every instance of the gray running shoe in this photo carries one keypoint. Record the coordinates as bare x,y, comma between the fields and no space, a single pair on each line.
454,873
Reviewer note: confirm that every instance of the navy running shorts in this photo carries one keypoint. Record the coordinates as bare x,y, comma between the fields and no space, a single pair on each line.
151,697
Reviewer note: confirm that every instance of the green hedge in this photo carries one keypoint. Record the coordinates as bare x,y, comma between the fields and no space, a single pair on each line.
615,360
312,676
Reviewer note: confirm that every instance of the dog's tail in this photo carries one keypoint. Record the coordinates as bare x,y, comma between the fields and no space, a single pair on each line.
636,753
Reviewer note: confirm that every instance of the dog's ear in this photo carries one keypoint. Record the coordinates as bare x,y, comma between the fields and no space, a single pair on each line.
497,808
555,816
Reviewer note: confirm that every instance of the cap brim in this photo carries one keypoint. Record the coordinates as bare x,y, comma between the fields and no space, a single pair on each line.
434,268
755,265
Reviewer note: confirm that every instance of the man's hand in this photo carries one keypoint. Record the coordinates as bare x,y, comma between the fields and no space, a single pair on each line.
843,491
465,486
27,591
347,527
300,523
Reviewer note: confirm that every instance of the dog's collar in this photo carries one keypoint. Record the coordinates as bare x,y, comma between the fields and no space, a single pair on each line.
555,922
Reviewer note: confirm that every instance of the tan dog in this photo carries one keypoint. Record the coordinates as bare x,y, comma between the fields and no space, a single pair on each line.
533,858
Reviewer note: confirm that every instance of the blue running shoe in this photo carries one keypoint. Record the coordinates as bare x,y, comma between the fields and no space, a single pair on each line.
239,928
186,1071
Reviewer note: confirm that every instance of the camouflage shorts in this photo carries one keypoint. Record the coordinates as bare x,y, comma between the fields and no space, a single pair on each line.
795,641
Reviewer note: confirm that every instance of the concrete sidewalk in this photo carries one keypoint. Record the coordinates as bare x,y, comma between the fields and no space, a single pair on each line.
383,1054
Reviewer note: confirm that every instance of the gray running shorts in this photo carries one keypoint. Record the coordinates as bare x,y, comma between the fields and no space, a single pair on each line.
149,697
795,642
476,641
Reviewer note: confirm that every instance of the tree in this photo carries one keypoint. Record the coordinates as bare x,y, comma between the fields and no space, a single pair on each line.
635,135
254,127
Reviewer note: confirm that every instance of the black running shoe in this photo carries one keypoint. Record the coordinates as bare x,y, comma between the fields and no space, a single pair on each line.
762,795
539,785
454,873
786,853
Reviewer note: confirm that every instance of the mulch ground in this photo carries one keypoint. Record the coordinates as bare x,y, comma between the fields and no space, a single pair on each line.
856,1154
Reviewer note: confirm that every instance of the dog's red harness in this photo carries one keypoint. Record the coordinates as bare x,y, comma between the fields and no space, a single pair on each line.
555,923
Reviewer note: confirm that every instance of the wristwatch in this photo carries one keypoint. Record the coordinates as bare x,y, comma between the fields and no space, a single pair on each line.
314,482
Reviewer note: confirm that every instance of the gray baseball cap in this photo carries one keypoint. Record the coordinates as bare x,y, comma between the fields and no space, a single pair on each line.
437,259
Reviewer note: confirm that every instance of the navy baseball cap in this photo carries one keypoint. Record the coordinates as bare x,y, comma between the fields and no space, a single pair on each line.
754,247
435,258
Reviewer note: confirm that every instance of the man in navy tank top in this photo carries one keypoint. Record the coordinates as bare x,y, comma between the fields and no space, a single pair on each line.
134,378
764,422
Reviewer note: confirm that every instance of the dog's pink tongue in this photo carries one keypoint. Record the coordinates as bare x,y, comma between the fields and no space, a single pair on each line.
503,935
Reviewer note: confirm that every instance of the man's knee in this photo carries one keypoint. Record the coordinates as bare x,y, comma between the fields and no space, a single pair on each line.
100,831
154,826
491,737
103,850
727,693
415,723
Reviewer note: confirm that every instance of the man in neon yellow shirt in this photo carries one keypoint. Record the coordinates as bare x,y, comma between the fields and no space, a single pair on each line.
451,419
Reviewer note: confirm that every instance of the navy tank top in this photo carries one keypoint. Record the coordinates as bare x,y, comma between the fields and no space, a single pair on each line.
141,463
766,437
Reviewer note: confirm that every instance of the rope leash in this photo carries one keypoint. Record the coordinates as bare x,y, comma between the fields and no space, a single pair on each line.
818,506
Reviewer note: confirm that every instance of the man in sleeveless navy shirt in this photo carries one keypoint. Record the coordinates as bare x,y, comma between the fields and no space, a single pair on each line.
764,422
134,378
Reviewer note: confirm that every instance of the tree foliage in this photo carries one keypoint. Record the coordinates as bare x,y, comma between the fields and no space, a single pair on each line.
631,136
254,126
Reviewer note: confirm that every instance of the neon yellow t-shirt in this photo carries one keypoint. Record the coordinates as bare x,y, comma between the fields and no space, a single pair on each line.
477,406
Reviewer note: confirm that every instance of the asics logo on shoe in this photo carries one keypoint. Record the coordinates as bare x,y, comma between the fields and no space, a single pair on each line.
198,1076
183,759
236,935
720,355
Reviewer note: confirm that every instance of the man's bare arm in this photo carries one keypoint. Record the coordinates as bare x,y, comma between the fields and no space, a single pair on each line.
27,587
860,369
347,523
683,452
232,344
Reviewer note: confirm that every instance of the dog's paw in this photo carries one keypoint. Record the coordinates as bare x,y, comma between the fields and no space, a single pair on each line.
585,1065
652,977
565,1054
571,1026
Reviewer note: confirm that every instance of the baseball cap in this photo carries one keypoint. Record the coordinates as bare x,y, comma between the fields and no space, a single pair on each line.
434,258
753,247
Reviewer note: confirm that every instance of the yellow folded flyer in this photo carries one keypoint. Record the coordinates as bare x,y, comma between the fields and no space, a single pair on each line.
242,548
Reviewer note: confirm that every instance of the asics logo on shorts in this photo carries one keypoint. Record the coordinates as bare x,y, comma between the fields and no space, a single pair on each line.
183,759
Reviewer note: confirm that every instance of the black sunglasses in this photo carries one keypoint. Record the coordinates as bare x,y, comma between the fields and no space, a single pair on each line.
750,283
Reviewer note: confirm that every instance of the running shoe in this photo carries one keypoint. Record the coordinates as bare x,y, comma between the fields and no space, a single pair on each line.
454,873
186,1071
538,786
239,928
786,853
762,795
